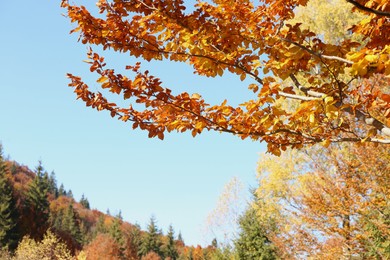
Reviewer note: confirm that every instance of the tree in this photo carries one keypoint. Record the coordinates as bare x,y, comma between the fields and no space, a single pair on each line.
103,247
8,212
84,201
170,249
133,242
222,222
61,190
323,201
247,39
252,241
116,233
53,184
50,248
100,226
37,204
151,242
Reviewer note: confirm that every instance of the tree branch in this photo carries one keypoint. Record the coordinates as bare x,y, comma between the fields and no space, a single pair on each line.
305,90
367,9
298,97
319,55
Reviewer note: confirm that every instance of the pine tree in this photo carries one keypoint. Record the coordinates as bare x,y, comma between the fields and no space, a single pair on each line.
53,184
69,194
116,233
8,213
214,243
252,242
84,202
37,204
70,224
170,249
61,190
100,226
151,240
135,241
180,238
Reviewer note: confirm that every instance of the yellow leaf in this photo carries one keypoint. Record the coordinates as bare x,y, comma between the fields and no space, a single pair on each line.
371,58
311,118
328,99
325,143
102,79
195,96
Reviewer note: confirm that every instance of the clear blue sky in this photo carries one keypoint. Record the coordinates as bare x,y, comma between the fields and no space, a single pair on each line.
178,180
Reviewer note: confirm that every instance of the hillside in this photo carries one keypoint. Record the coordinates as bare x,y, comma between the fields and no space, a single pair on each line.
37,215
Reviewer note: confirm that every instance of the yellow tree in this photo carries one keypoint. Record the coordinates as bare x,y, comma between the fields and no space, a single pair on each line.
324,200
248,39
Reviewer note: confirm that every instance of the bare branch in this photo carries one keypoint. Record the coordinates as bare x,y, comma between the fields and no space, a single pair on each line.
298,97
305,90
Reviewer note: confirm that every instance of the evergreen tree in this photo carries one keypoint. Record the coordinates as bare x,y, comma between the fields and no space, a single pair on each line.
37,204
135,240
69,194
214,243
84,202
100,227
61,190
252,242
180,238
151,240
116,233
170,248
8,213
53,184
70,224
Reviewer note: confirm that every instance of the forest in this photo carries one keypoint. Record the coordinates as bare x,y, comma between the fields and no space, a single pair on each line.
320,79
322,203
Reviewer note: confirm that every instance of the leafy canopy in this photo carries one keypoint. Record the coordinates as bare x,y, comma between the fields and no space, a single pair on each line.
343,81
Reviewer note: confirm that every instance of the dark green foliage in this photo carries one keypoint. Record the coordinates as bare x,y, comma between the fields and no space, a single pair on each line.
151,240
84,201
180,238
69,194
61,190
135,240
37,204
170,247
100,227
116,233
53,185
214,243
70,223
252,242
8,213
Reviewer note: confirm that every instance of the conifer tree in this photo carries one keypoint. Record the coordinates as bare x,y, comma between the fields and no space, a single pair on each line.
151,240
8,213
116,233
84,202
170,247
53,189
180,238
69,194
100,226
70,224
252,242
61,190
37,204
135,241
